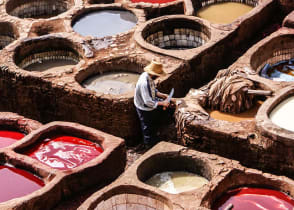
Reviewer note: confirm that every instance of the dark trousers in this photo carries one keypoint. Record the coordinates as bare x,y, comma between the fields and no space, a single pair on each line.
148,121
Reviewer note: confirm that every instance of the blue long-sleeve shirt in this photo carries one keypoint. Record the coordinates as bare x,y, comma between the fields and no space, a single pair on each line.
143,99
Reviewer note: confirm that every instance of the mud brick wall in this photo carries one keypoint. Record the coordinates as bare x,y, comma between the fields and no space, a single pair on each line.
44,101
248,147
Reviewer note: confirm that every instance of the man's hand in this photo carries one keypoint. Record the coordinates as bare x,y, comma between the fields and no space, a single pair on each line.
165,104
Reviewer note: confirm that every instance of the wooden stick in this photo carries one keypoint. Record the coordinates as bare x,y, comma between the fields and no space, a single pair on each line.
260,92
229,207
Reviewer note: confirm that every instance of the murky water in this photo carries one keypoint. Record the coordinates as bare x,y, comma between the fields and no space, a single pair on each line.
56,65
105,23
9,137
254,199
112,83
16,183
283,114
247,115
223,13
64,152
175,182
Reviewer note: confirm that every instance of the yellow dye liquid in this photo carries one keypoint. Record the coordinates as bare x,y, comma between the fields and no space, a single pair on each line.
223,13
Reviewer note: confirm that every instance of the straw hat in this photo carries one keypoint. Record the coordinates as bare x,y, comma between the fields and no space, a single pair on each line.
155,68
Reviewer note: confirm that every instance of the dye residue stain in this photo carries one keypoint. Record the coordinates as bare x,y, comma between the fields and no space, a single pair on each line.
9,137
281,71
65,152
223,13
112,83
153,1
283,114
16,183
105,23
176,181
254,199
247,115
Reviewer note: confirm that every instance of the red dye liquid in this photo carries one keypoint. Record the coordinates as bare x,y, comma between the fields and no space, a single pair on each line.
255,199
9,137
153,1
16,183
65,152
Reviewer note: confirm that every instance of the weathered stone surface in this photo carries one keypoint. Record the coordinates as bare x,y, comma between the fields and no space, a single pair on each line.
60,184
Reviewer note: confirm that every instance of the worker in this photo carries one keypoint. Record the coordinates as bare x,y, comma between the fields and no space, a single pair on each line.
147,99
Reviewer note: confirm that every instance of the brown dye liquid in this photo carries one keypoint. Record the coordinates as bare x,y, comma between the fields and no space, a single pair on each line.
55,65
247,115
223,13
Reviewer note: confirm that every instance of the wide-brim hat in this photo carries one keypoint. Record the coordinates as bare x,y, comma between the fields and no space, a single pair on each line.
155,68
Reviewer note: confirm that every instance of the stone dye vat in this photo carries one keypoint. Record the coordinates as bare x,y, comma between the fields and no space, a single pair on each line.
14,127
273,58
37,9
255,199
8,137
46,53
176,34
16,183
8,34
223,13
274,117
129,197
244,188
70,149
64,152
283,113
176,181
112,83
103,23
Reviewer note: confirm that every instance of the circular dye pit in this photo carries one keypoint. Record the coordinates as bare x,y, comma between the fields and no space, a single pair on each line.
115,83
46,54
37,9
281,71
283,114
254,199
64,152
16,183
223,13
247,115
9,137
132,201
175,182
104,23
176,34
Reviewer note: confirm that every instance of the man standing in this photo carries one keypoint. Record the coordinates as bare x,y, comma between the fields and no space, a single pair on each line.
147,99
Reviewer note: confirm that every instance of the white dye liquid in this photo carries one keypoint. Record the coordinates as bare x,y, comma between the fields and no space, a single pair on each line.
114,83
283,114
177,181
